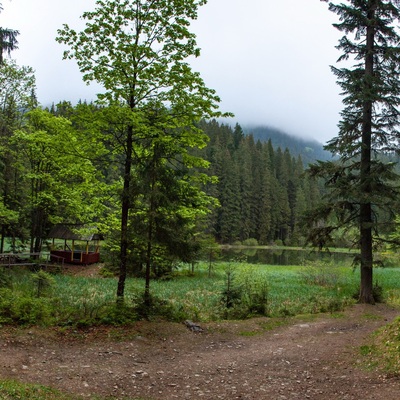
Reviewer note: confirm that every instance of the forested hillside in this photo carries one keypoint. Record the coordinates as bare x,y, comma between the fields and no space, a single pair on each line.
309,150
262,189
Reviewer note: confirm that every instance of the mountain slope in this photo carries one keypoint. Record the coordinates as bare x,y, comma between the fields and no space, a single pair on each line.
309,150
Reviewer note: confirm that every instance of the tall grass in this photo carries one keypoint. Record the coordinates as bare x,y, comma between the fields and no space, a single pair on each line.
260,289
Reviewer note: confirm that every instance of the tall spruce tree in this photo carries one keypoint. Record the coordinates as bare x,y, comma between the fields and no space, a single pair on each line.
360,183
8,40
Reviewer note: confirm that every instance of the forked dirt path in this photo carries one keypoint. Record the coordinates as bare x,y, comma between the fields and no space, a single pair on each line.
304,359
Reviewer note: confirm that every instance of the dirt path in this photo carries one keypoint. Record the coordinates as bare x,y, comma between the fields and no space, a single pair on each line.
316,359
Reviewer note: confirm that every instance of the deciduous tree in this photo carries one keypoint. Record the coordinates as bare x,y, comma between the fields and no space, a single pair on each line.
138,50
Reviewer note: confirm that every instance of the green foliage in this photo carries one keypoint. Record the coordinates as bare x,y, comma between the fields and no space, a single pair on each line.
245,290
382,352
148,307
13,390
23,309
362,188
154,103
261,190
106,273
63,182
232,292
250,242
322,274
5,278
43,282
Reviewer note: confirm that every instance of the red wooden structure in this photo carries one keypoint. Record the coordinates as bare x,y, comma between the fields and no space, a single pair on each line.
77,248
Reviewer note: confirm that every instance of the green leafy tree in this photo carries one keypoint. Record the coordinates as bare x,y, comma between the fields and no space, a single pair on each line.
137,50
360,183
61,183
171,200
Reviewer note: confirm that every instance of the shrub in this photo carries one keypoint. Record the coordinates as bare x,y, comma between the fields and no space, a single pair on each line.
245,293
232,292
5,278
24,310
43,283
250,242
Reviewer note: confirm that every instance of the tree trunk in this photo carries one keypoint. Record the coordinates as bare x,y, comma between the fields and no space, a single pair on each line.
366,285
125,216
150,237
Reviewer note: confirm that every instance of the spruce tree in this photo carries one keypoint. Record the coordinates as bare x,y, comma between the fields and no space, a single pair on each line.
360,183
8,40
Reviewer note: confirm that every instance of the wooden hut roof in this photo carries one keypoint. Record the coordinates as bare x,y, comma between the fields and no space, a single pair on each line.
68,232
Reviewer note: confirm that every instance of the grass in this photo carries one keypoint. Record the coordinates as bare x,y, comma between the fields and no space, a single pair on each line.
282,290
383,351
14,390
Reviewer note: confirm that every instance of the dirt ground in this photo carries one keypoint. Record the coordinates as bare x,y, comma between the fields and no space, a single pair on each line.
315,358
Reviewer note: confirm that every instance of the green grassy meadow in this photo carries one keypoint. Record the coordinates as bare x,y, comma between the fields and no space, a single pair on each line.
231,291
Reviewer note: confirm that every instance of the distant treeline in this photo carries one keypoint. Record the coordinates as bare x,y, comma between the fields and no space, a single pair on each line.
262,190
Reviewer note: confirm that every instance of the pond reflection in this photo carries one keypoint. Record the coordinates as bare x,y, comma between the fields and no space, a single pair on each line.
282,256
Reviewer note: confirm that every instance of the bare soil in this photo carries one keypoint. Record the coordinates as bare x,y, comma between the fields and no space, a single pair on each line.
297,358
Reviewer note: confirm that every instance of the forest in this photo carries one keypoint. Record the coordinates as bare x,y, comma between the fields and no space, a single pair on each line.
150,165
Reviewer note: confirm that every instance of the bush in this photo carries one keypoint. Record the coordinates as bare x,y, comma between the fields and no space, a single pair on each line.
232,293
250,242
24,310
43,283
5,278
245,293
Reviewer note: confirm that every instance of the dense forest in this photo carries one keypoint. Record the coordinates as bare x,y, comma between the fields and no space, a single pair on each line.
52,171
262,190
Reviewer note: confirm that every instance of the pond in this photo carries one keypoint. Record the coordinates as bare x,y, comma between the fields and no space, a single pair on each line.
281,256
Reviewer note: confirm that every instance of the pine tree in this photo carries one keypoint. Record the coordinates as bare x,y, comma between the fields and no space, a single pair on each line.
8,40
360,183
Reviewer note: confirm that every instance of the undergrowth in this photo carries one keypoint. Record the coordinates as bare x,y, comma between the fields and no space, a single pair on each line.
383,352
14,390
233,290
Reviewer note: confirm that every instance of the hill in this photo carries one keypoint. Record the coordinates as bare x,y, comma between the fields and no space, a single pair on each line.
309,150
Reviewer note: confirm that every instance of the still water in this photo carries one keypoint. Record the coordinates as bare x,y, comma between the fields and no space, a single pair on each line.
282,256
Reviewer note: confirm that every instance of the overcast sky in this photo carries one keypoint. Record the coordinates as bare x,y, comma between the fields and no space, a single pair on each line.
268,60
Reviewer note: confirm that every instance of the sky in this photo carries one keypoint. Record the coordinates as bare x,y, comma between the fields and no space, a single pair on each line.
268,60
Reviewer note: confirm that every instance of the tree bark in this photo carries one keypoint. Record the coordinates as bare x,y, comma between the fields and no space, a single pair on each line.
125,216
366,287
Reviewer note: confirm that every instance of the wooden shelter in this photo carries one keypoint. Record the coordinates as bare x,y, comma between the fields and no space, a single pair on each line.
82,249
